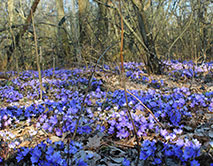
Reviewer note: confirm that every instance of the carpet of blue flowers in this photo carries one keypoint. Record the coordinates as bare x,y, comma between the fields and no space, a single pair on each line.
35,132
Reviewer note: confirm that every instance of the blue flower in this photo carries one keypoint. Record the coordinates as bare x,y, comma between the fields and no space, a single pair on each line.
42,145
148,149
157,161
56,158
122,133
81,163
50,150
194,163
143,155
59,144
87,129
36,154
25,151
58,132
188,153
126,162
178,152
19,157
72,150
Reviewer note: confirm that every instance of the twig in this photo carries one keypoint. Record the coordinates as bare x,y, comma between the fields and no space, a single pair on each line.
37,56
87,90
146,109
124,85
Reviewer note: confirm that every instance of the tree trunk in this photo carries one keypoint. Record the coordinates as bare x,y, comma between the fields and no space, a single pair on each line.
103,19
75,32
83,10
21,33
153,64
62,35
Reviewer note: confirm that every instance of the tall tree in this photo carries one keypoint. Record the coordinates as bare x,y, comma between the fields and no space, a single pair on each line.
10,5
102,18
83,6
75,31
62,33
151,60
23,30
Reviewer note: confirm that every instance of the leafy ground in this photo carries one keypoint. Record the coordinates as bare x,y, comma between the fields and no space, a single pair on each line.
35,132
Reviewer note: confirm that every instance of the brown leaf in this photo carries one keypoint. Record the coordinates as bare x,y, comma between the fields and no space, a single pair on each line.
24,144
94,142
55,139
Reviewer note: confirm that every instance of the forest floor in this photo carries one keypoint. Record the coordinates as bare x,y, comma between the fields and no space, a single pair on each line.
40,132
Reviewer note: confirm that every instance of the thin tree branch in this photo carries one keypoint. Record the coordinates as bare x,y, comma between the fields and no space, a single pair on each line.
87,90
124,85
187,26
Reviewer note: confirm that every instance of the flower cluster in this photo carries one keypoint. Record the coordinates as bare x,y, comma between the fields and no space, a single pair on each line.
51,154
183,152
59,111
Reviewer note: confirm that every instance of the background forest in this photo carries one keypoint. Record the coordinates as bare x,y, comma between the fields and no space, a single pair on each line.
78,31
106,82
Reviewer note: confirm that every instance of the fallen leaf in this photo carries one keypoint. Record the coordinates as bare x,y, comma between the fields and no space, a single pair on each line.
55,139
94,142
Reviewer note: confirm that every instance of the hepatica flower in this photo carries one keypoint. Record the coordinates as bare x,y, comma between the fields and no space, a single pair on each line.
53,120
19,157
188,153
111,130
36,154
45,126
164,132
58,132
177,131
81,163
122,133
179,142
157,161
49,151
148,149
194,163
126,162
112,122
55,158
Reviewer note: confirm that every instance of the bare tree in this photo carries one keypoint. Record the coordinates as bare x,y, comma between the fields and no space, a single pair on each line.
150,58
83,6
63,39
23,30
75,31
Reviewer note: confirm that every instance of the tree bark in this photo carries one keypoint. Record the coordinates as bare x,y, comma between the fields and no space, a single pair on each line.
103,19
75,32
151,60
21,33
83,10
62,35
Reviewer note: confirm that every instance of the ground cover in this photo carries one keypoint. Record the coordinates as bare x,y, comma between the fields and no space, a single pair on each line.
35,132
